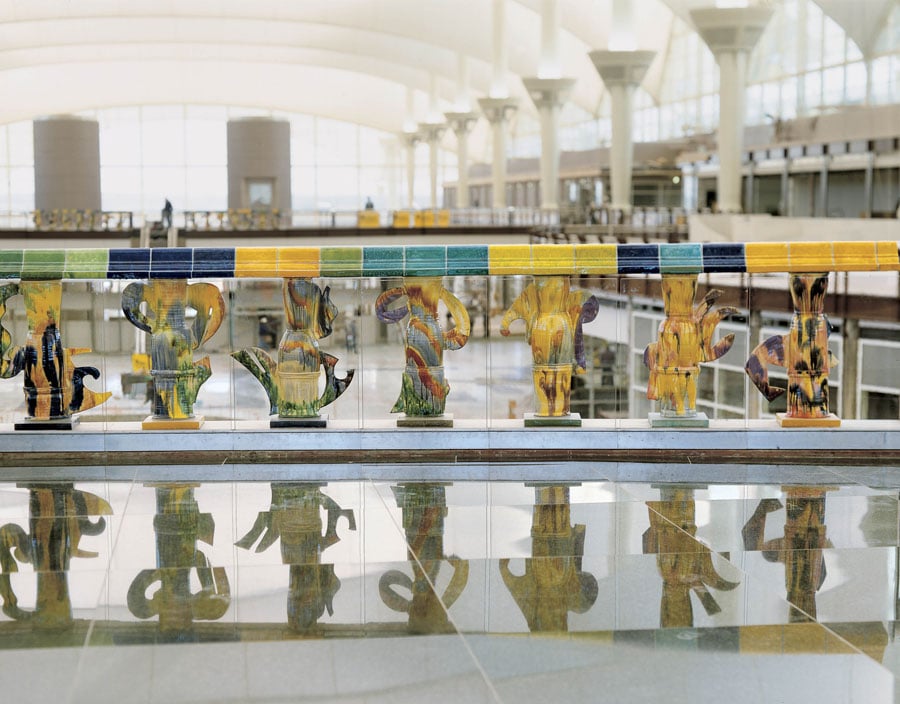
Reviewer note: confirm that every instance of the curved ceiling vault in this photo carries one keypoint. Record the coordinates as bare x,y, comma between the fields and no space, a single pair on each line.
351,60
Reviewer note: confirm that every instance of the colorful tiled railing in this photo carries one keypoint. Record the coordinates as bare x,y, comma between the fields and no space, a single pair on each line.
452,260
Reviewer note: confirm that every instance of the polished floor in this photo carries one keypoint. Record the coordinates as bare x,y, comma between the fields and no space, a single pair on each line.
776,584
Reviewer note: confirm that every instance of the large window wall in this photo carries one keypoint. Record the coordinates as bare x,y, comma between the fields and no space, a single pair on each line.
179,152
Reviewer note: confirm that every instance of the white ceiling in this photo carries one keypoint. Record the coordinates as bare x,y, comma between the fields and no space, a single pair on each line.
348,59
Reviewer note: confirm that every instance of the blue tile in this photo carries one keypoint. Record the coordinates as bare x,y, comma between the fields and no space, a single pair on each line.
129,263
468,260
213,262
383,261
726,256
172,263
638,258
427,260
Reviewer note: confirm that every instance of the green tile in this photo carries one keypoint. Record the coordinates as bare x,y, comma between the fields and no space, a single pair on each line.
10,263
383,261
426,261
87,263
467,260
341,261
44,264
684,258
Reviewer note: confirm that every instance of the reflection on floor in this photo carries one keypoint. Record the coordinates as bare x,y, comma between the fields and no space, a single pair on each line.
486,592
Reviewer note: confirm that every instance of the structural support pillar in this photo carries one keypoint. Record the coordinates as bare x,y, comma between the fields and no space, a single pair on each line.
731,33
549,95
498,111
410,140
461,123
431,133
622,72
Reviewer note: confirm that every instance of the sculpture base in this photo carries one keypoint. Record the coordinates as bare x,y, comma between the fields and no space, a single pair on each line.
572,420
151,423
442,421
658,420
46,423
830,421
317,422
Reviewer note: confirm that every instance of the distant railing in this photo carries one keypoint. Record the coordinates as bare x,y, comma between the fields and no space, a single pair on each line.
69,220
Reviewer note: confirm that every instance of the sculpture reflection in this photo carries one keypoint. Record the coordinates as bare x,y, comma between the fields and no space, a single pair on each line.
800,548
424,508
295,517
554,582
684,563
179,524
58,517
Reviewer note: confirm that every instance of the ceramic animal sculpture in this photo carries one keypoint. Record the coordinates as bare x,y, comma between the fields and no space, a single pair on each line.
684,342
553,314
58,516
294,516
424,390
803,351
173,339
179,524
684,563
800,549
424,508
554,582
292,383
54,387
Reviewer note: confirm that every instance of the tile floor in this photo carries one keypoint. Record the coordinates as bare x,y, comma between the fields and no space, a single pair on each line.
374,591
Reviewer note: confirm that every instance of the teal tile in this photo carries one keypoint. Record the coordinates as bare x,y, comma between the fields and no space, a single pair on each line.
383,261
426,261
86,263
341,261
467,260
10,263
683,258
44,264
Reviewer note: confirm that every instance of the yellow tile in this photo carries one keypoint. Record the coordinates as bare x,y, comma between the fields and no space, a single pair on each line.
553,258
855,256
509,259
766,256
811,256
596,259
887,256
298,261
255,262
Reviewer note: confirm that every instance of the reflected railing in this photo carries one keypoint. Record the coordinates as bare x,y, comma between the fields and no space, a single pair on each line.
595,557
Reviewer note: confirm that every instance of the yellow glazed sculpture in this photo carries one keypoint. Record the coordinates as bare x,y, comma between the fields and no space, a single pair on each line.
684,565
424,508
804,353
684,341
59,515
554,314
176,378
423,394
292,383
294,516
54,387
554,582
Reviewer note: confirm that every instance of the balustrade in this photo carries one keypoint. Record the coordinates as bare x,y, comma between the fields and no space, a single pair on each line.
180,317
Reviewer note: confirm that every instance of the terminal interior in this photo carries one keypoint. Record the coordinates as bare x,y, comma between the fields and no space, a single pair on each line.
492,556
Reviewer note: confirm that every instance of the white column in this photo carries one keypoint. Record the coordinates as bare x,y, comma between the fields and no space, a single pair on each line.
549,66
410,140
731,33
549,95
499,88
461,123
431,133
622,72
498,111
